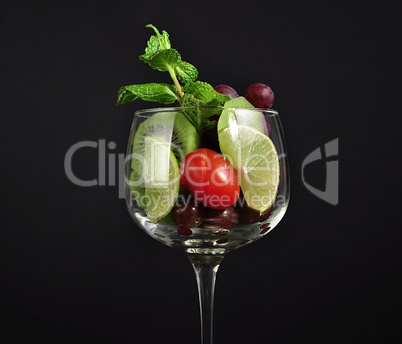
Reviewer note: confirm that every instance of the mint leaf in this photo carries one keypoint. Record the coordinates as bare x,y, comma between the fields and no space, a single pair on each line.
186,72
124,96
163,38
152,92
198,117
152,48
165,60
205,92
155,44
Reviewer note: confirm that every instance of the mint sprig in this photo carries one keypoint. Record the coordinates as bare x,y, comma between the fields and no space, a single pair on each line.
160,56
186,89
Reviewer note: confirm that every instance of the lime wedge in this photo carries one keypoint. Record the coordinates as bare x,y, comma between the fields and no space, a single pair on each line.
161,178
253,155
241,111
239,102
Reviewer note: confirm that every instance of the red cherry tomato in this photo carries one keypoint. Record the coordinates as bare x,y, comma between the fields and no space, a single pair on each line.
210,178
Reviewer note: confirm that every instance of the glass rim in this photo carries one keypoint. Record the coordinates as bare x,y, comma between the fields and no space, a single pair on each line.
146,112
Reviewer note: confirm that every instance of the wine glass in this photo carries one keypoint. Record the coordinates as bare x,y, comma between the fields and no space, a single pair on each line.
159,140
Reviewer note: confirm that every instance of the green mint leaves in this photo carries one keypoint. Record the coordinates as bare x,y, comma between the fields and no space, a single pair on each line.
199,118
186,72
164,60
160,56
186,89
205,92
163,41
152,92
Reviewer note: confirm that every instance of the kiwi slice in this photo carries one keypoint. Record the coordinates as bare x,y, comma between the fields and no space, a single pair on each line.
171,128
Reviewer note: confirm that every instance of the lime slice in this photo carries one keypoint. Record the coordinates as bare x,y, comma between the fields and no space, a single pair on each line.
161,177
239,102
241,111
253,155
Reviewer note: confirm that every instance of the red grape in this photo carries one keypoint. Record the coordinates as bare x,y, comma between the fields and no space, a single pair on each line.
225,89
260,95
188,212
220,218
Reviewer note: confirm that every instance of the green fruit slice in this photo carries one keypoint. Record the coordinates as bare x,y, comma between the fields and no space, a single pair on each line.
239,102
237,110
161,178
174,130
256,161
168,127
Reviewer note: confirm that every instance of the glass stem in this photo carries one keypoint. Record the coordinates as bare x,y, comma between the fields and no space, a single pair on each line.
206,267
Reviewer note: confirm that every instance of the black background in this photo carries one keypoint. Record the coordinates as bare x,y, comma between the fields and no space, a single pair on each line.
73,266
